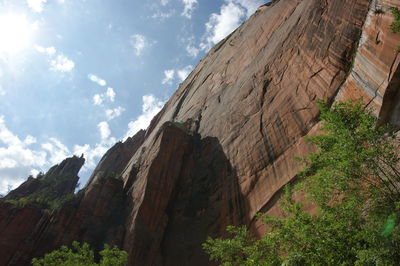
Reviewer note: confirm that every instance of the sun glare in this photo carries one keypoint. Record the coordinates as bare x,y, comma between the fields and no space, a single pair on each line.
15,33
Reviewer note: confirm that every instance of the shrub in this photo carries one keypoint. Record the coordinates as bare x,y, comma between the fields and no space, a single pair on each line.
352,180
82,255
395,26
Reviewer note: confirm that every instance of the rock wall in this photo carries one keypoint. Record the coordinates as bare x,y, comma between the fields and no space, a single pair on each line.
222,147
375,75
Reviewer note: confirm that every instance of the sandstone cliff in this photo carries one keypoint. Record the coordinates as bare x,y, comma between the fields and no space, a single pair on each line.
222,147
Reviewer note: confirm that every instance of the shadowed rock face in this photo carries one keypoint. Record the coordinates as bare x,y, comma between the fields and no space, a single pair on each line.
222,147
64,176
184,190
21,226
94,215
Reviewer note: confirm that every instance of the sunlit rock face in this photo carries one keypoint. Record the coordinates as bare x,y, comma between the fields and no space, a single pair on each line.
222,147
375,75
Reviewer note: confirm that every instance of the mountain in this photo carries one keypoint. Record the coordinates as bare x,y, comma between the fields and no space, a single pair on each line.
223,146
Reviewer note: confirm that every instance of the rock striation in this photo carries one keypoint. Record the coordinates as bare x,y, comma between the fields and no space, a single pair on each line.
222,147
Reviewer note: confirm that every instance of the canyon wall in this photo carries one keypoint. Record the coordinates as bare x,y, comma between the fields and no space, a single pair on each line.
223,146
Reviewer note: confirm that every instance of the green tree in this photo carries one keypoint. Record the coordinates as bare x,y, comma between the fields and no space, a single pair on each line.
395,26
353,180
113,256
82,255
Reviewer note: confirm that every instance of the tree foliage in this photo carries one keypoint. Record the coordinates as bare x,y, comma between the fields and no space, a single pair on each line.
395,26
51,193
82,255
353,181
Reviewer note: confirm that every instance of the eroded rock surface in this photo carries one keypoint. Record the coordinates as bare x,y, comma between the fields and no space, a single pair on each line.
222,147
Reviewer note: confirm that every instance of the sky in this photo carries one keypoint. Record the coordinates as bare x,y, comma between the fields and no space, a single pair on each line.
76,76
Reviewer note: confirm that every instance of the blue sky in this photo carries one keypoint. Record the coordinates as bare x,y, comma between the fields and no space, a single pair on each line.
78,75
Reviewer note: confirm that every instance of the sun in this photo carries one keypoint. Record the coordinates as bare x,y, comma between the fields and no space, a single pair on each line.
15,33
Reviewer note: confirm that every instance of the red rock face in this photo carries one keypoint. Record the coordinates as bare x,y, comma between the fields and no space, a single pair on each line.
21,228
95,215
116,158
375,75
223,146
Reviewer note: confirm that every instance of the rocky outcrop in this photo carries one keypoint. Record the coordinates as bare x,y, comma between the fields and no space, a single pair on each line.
222,147
24,213
375,75
59,181
183,191
116,158
30,228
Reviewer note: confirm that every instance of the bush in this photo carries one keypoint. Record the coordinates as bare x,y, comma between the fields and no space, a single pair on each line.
395,26
353,180
82,255
50,195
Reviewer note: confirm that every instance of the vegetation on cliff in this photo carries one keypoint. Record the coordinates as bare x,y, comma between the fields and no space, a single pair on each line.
82,255
353,182
395,26
50,193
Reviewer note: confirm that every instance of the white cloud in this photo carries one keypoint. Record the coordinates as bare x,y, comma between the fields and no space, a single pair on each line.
56,150
58,61
98,99
231,15
250,5
163,15
104,130
192,50
168,76
164,2
189,6
184,72
35,25
93,154
36,5
34,172
113,113
191,47
17,158
46,50
138,42
9,182
7,137
97,80
59,151
110,93
2,91
62,63
29,140
81,149
151,106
